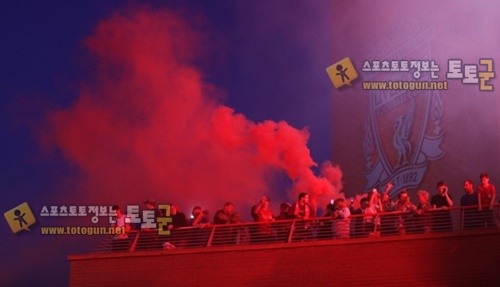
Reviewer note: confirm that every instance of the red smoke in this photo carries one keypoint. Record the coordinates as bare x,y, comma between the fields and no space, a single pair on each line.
151,127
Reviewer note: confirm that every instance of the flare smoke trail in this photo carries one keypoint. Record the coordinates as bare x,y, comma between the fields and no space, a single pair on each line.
149,125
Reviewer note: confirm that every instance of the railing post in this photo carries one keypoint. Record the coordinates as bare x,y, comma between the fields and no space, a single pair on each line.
134,243
211,237
292,229
462,215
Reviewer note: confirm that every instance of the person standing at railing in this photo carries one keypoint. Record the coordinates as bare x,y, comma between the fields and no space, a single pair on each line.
264,231
423,217
284,211
325,225
486,197
302,211
201,224
341,221
470,217
150,211
122,228
150,204
178,218
388,222
223,216
257,207
177,237
356,208
199,218
120,223
239,233
387,204
404,205
283,229
254,229
371,219
442,202
223,235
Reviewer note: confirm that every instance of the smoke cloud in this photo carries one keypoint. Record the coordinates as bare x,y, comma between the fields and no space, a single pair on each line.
149,125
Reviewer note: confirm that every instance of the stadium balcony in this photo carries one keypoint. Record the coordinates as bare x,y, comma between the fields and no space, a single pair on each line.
454,247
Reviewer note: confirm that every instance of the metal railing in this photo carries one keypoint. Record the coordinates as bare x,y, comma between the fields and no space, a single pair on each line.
455,219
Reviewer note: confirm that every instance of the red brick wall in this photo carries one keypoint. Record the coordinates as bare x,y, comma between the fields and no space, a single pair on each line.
459,259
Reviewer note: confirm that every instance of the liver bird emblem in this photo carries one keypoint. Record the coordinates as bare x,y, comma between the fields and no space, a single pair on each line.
400,140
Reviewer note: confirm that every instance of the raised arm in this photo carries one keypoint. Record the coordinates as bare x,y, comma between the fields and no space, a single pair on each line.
448,198
494,192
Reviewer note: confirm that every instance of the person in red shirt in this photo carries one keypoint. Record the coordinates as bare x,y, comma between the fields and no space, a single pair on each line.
486,194
302,211
265,216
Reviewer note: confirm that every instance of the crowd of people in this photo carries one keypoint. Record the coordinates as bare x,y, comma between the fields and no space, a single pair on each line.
376,214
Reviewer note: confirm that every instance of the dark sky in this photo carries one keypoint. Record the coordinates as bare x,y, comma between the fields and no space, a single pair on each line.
266,60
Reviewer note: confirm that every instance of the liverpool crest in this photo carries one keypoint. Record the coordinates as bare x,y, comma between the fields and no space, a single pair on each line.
403,129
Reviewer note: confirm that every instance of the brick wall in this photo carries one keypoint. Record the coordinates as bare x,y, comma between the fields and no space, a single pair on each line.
458,259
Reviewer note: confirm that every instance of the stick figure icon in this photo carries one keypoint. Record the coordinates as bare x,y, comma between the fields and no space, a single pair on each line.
342,72
20,217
